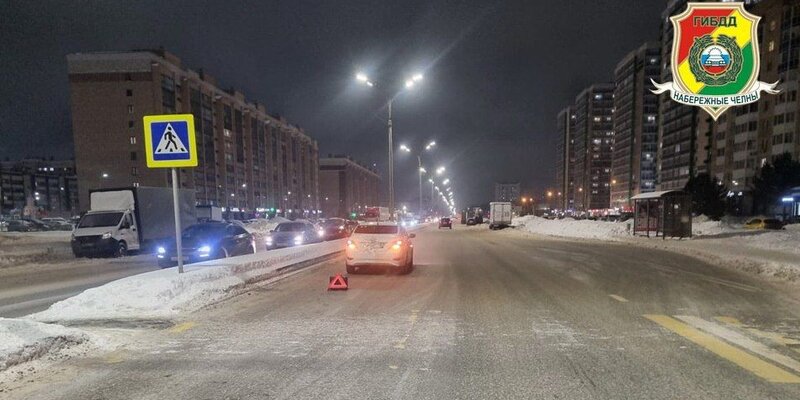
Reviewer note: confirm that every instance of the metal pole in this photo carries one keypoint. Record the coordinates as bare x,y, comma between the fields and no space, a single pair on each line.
431,195
391,165
419,172
175,206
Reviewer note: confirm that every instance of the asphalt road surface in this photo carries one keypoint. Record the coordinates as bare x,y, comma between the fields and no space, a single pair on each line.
485,315
31,288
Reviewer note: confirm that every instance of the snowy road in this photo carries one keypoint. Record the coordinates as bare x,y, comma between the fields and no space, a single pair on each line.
33,287
484,315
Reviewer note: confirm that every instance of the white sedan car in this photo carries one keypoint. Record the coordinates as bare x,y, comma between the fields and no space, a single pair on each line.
384,244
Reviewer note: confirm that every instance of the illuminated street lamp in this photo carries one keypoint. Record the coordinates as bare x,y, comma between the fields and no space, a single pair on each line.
364,79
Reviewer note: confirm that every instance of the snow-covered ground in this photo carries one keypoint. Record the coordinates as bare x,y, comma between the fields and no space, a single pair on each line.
770,253
17,248
165,293
23,340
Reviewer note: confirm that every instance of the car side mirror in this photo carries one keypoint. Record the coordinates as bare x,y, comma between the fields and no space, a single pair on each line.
412,235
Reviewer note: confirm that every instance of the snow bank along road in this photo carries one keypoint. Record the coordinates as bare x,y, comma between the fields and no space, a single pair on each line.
484,315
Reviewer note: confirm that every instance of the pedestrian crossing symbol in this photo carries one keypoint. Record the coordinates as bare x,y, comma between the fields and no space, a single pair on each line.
170,141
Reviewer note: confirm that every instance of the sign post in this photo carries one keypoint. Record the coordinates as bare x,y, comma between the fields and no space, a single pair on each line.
170,143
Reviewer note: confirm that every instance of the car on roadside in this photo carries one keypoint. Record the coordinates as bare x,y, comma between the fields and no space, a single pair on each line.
764,223
445,223
382,244
37,225
208,241
58,224
294,233
18,225
334,228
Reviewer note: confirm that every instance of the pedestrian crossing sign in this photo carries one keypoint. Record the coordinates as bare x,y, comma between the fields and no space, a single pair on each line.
170,141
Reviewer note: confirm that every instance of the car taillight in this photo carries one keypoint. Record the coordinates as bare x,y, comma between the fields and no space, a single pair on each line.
351,245
397,245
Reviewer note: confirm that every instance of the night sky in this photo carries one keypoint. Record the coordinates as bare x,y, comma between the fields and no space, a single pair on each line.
496,73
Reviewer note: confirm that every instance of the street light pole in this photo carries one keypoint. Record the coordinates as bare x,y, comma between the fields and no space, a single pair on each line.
391,165
419,172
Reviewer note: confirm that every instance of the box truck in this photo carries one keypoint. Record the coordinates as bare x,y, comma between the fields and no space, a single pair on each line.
499,214
136,218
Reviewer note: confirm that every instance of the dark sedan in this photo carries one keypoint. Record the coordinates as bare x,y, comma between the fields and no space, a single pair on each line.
296,233
208,241
334,228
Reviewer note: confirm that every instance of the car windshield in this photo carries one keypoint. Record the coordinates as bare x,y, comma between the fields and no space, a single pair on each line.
290,227
377,229
100,220
201,231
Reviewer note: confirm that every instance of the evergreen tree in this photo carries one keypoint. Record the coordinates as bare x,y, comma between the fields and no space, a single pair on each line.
708,195
773,180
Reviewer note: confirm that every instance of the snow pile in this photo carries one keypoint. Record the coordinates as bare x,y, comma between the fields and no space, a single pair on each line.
572,228
165,293
22,340
263,226
704,226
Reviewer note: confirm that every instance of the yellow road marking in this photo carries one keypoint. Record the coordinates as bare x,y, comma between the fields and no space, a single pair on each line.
401,344
114,358
183,327
773,336
618,298
739,357
741,340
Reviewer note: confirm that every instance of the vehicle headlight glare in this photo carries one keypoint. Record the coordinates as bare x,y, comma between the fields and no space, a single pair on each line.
204,249
162,250
106,235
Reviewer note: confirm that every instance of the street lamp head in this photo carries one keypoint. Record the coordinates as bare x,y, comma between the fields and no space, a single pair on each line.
430,180
446,181
361,77
416,77
409,84
422,170
440,170
405,148
430,145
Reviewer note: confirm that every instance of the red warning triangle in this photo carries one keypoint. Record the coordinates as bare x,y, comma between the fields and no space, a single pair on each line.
337,282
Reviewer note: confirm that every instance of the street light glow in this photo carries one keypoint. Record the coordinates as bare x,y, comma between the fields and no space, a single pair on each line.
446,181
416,77
405,148
409,84
440,170
421,169
362,77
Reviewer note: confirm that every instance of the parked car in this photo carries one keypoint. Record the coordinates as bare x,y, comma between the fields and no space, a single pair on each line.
294,233
208,241
445,223
57,224
383,244
763,223
334,228
37,225
18,225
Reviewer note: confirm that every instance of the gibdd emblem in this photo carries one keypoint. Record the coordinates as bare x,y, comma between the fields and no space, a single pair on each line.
715,58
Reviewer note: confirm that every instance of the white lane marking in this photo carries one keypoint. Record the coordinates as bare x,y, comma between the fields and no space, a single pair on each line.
741,341
618,298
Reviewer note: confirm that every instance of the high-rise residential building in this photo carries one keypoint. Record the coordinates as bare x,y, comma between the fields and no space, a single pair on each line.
565,150
594,144
46,186
248,159
506,191
745,138
633,169
346,186
677,133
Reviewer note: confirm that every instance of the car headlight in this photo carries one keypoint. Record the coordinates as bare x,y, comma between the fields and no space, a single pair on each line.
106,235
204,251
269,240
161,251
321,233
298,239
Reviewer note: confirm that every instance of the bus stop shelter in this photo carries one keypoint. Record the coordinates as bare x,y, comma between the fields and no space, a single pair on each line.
666,213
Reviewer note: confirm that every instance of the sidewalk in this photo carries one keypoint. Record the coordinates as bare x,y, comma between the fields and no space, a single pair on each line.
772,254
